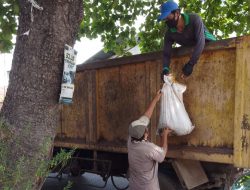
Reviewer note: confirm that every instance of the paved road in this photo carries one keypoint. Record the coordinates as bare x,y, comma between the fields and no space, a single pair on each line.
84,182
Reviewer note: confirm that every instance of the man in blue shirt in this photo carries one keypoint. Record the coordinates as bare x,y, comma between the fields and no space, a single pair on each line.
186,30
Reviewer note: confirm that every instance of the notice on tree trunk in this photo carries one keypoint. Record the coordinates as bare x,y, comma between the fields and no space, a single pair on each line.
68,78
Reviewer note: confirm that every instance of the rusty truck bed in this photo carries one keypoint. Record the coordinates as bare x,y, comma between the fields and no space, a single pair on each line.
110,94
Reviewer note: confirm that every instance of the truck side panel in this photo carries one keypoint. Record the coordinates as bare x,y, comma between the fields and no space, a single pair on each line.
242,103
112,93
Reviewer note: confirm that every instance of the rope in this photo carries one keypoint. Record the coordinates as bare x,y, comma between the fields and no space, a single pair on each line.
35,5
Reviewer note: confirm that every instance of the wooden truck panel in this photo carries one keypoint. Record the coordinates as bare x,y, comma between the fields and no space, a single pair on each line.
112,93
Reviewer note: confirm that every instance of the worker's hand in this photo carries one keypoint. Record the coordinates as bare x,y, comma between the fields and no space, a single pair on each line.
165,132
187,70
165,71
184,77
158,96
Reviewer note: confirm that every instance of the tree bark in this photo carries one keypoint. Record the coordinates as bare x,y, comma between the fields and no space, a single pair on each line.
31,104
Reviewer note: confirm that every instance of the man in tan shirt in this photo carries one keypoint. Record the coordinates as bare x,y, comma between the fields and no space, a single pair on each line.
143,155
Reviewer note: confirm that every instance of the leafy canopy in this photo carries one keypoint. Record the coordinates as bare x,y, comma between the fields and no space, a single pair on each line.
115,21
8,23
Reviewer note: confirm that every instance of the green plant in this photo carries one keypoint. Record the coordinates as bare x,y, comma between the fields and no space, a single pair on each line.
11,177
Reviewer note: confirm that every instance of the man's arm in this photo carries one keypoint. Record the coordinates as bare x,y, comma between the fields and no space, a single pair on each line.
167,51
200,39
159,152
164,138
200,43
152,105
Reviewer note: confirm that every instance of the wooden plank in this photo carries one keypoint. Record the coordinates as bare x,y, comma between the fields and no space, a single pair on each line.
182,51
151,91
242,104
203,154
73,117
121,99
59,127
193,153
154,84
190,172
222,156
91,133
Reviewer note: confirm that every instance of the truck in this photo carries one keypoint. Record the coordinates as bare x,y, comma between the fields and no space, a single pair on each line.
109,94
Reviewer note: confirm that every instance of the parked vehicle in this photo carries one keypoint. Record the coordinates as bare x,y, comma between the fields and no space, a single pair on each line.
242,182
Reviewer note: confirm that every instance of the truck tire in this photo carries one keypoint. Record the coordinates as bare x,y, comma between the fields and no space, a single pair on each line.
168,182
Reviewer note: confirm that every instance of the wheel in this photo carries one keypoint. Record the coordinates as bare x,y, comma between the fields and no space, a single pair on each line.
168,182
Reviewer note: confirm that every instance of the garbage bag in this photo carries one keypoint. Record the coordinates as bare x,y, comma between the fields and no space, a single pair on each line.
172,110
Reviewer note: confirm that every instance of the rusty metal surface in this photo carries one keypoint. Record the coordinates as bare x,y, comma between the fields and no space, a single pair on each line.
122,96
124,92
242,104
107,99
219,155
209,99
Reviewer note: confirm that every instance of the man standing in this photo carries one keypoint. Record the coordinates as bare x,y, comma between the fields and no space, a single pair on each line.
186,30
143,156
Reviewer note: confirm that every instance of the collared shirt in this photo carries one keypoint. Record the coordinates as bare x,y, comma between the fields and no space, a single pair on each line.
194,34
143,160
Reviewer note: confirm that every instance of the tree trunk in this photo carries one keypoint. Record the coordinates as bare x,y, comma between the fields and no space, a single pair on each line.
31,106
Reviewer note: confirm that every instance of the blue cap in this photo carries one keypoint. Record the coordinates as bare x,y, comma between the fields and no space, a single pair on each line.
167,8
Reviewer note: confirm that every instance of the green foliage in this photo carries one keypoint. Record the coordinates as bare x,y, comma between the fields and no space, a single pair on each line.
11,170
114,21
60,159
223,17
68,186
8,23
10,174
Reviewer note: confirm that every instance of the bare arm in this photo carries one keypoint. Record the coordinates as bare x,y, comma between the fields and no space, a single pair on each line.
159,152
164,138
152,105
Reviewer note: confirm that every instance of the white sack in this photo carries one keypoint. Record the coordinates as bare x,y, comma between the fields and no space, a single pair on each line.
172,111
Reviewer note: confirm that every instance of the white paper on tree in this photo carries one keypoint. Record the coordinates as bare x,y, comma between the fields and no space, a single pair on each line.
69,71
172,110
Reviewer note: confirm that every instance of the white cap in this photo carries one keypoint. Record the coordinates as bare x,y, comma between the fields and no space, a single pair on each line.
137,127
